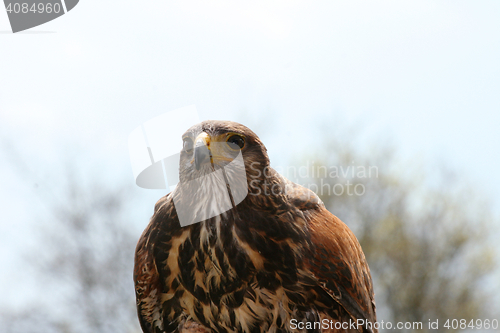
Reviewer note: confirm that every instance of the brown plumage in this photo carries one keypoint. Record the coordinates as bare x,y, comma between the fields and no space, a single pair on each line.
274,262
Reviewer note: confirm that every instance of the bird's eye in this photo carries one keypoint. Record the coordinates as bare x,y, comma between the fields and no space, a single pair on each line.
235,142
187,146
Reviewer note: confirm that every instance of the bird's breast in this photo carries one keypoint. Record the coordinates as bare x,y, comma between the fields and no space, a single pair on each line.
222,276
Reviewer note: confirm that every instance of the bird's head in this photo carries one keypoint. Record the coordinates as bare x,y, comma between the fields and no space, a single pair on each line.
223,164
213,144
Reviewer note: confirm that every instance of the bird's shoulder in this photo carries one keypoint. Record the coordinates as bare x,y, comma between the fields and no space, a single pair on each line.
299,196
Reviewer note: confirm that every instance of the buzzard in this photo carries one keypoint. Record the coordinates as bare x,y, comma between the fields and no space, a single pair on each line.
276,261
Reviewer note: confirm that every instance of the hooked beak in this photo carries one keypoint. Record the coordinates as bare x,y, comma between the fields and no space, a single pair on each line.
201,150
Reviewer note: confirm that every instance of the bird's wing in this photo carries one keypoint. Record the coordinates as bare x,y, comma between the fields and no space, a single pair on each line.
148,287
337,260
159,310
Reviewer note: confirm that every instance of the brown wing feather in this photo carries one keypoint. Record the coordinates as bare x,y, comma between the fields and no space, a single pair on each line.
337,261
148,287
340,265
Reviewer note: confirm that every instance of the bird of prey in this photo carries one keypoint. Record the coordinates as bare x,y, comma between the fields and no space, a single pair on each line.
276,261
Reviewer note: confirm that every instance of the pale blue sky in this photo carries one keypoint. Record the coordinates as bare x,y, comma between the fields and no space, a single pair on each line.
425,73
